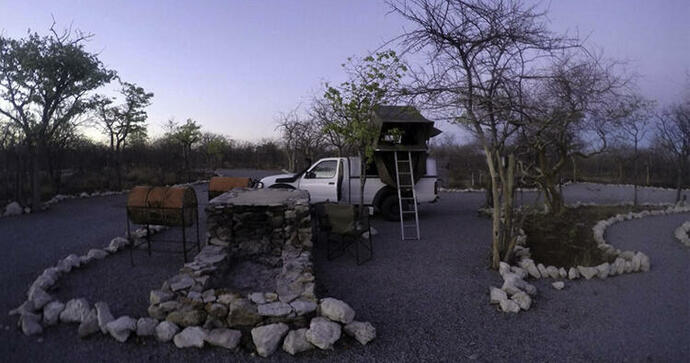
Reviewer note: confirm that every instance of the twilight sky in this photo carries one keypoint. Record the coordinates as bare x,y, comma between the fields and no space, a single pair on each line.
234,65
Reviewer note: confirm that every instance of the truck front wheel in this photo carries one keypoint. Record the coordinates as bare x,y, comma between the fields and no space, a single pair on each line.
389,208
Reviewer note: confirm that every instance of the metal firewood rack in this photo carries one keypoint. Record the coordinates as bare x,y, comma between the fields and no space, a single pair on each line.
166,206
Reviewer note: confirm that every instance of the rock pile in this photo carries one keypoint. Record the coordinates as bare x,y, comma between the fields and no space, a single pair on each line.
515,293
268,227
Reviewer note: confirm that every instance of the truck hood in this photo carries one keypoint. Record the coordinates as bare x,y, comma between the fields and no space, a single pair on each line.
277,179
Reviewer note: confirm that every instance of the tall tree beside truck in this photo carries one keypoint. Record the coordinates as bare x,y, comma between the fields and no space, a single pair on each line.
372,81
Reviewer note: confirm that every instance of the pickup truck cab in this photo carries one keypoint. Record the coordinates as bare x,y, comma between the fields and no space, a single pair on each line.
337,180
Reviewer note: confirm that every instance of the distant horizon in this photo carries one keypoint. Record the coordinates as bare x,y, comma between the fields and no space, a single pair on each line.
233,67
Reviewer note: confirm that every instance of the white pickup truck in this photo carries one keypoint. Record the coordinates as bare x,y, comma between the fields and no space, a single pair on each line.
337,180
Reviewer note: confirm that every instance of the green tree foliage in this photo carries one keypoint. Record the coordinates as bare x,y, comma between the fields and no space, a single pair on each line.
123,123
372,81
186,135
44,82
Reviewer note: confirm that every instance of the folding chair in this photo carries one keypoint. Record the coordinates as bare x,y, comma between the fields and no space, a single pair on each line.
344,222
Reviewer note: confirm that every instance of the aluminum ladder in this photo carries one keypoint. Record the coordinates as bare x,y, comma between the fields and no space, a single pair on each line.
407,197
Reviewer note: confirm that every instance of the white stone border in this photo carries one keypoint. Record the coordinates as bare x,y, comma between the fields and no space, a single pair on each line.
625,262
41,309
682,233
60,197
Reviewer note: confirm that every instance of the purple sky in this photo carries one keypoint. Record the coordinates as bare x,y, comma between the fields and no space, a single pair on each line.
234,65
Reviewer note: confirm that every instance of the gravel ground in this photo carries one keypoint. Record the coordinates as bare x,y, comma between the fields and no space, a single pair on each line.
427,299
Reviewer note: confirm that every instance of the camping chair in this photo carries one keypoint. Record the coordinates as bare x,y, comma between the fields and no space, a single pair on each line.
344,221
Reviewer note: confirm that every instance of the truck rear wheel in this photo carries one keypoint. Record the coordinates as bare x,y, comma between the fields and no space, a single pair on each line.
389,208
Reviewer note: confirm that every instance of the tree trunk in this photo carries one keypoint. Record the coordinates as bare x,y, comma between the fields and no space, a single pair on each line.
35,180
362,181
679,179
574,169
508,188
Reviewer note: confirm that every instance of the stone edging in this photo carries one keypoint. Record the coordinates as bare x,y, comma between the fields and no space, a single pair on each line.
43,310
14,209
331,316
682,233
625,262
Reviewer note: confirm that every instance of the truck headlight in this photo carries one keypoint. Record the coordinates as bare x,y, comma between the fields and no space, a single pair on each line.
259,185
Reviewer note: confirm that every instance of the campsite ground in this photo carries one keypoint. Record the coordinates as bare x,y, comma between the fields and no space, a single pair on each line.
428,299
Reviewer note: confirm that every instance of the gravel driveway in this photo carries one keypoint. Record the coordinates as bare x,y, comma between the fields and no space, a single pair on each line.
428,299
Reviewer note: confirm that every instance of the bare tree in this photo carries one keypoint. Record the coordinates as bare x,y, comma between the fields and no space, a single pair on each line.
479,53
325,118
633,125
289,125
566,112
674,133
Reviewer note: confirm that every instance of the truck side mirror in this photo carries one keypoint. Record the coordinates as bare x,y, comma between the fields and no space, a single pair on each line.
310,175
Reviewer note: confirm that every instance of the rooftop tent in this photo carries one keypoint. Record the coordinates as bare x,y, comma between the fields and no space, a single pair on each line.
401,128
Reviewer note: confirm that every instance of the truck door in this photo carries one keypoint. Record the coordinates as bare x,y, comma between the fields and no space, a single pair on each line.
321,181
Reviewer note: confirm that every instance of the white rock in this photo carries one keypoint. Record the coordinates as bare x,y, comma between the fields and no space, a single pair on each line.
225,338
503,268
303,306
563,273
296,342
181,282
627,255
519,271
636,262
587,272
603,270
542,270
89,325
620,265
496,295
552,271
509,306
30,324
13,209
573,273
257,298
146,327
76,310
323,333
644,262
513,284
25,307
275,309
523,300
96,254
39,298
160,296
121,328
192,336
51,312
363,332
628,267
558,285
103,315
165,331
267,338
532,270
336,310
43,282
118,243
